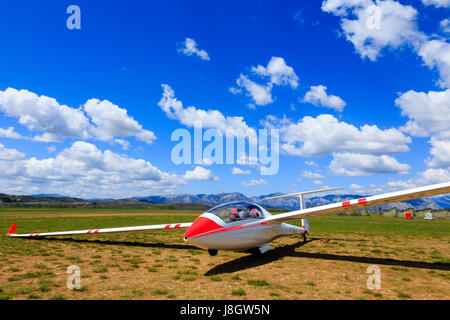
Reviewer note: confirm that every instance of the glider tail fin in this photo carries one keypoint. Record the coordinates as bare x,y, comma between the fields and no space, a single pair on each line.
12,230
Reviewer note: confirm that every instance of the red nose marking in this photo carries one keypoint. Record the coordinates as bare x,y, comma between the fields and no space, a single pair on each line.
201,225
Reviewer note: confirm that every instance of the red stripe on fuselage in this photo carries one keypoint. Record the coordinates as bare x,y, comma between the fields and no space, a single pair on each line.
222,229
346,204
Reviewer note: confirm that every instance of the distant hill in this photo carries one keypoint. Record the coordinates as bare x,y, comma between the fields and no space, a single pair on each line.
205,201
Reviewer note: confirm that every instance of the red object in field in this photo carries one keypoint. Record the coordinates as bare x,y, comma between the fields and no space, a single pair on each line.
408,215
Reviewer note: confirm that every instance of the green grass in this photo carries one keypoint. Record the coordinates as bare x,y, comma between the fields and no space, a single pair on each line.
238,292
159,292
258,282
52,257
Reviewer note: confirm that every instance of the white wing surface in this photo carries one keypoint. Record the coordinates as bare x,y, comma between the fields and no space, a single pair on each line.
12,231
377,200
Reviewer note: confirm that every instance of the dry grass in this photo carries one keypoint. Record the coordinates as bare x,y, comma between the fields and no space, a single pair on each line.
160,265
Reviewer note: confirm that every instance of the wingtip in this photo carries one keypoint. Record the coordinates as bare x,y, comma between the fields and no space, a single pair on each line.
12,230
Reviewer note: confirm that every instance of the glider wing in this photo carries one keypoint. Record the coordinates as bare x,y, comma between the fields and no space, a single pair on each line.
430,190
12,231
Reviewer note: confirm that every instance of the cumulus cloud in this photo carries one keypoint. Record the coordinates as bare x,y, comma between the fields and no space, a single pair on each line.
445,25
428,113
200,173
437,3
427,177
440,150
261,94
10,133
112,121
173,108
276,73
436,54
356,164
83,170
10,154
44,114
237,170
318,96
395,24
190,48
325,134
389,24
99,120
311,175
254,182
311,163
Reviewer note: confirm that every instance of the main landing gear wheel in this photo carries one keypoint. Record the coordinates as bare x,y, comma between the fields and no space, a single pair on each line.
212,252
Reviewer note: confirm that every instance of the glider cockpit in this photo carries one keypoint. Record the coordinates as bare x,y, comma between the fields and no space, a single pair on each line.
238,211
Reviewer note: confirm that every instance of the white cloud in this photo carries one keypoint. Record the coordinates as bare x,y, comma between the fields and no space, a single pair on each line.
10,133
432,175
190,48
237,170
234,90
112,121
445,25
436,54
44,114
318,182
318,96
342,7
254,182
276,73
311,175
10,154
85,171
234,126
440,150
437,3
261,94
56,121
200,173
123,143
51,149
356,164
325,134
428,113
396,25
311,164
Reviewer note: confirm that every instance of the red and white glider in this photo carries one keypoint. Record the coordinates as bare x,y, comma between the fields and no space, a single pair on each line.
245,225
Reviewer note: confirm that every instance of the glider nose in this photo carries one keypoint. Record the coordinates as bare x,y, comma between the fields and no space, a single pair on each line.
200,226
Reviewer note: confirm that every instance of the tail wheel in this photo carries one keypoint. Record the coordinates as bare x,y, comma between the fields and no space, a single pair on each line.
304,237
212,252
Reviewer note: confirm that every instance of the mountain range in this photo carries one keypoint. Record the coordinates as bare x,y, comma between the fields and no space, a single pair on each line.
291,203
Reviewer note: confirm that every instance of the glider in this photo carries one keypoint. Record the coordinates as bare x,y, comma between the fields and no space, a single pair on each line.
248,226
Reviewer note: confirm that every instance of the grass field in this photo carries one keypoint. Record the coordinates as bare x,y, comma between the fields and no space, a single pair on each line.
414,258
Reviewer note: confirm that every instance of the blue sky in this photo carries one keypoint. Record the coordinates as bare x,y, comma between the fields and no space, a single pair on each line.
332,79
